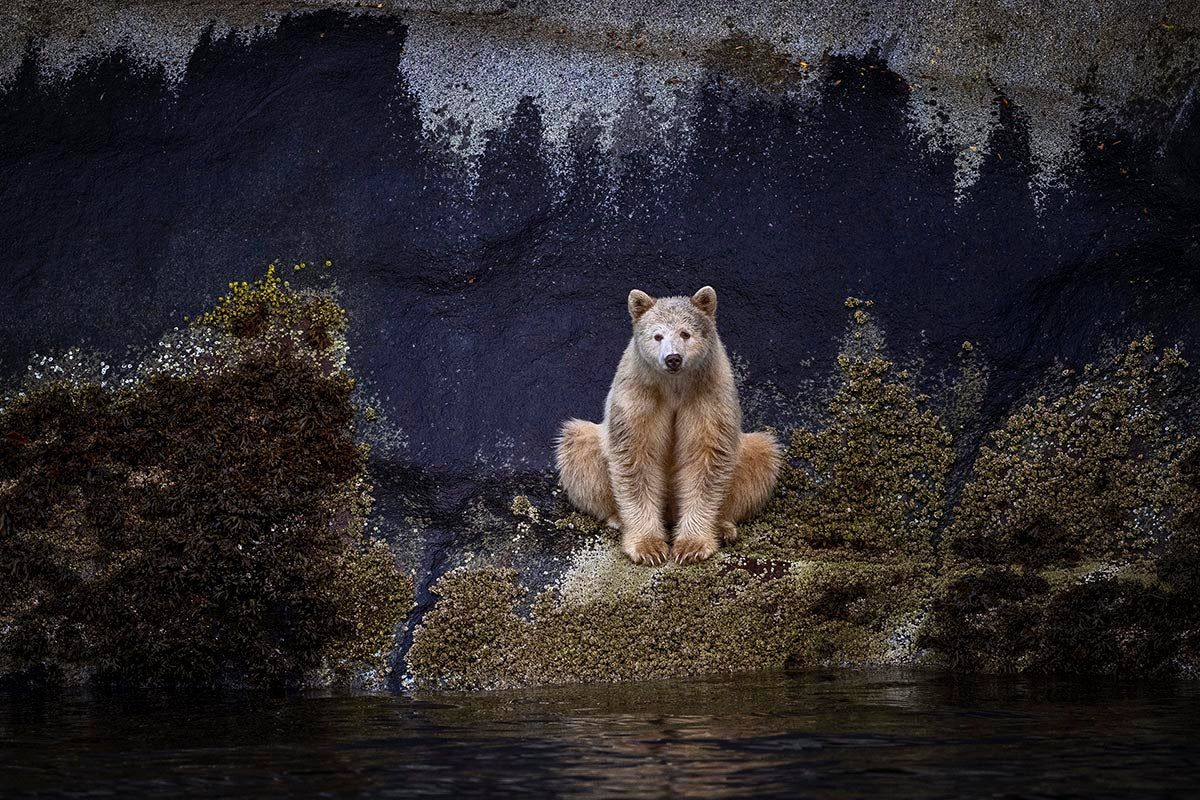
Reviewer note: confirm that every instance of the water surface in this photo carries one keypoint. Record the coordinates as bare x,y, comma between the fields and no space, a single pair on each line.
835,734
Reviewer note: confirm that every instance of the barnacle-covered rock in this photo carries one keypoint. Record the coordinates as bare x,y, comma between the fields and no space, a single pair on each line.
203,527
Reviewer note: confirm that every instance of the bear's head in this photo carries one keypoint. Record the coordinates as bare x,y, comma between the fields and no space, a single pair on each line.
674,334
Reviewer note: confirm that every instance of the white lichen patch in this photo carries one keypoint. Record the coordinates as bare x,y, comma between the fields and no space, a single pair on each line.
628,77
469,78
599,571
152,37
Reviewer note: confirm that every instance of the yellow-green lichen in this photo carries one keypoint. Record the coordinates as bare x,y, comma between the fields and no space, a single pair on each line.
580,523
468,639
521,507
251,309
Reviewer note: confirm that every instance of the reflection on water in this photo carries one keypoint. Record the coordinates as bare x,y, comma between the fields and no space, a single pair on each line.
818,734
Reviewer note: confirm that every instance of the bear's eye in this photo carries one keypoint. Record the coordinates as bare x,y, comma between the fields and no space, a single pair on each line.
658,337
684,335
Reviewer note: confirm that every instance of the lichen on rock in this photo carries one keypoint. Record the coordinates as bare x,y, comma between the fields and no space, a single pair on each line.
251,309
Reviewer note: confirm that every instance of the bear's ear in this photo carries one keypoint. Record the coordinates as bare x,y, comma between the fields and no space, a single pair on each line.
706,300
639,303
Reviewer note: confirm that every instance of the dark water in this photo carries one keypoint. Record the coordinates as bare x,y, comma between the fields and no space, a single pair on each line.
814,735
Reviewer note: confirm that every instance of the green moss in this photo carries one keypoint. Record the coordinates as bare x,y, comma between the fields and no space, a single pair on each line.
202,528
871,482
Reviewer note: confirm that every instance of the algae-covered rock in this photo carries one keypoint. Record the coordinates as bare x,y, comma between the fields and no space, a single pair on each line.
202,526
1123,621
1087,475
871,482
1074,546
728,615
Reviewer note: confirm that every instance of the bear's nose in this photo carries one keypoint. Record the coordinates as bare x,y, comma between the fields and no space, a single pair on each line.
674,361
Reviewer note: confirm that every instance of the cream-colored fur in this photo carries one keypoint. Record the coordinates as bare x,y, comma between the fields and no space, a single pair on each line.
671,447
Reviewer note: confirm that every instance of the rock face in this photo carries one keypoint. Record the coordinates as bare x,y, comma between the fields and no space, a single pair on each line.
940,248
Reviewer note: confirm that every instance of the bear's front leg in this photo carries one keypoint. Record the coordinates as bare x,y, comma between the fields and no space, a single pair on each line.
706,443
638,443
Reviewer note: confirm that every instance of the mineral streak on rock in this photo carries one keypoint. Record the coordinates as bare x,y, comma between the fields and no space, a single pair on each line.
468,76
632,75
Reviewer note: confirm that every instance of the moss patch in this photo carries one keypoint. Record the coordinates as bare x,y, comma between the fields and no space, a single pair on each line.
200,528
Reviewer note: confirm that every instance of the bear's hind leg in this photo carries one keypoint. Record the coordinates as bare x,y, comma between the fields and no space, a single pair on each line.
759,459
583,470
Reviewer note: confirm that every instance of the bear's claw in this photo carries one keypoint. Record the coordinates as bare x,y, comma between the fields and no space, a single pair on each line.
653,552
729,532
692,550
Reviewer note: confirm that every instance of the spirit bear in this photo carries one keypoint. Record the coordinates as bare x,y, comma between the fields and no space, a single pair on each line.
671,447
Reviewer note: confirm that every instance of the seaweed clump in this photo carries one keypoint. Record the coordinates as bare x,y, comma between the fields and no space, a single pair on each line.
202,528
872,482
1074,547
